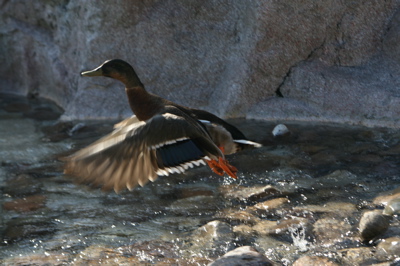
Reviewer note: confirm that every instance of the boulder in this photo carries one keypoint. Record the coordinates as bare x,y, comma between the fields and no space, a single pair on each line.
306,60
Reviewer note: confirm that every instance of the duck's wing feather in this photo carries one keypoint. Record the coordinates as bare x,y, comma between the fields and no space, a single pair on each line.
138,151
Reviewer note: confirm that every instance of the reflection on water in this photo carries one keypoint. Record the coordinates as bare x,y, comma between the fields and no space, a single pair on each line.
301,194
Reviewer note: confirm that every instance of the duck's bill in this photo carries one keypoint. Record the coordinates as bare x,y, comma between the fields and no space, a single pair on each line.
92,73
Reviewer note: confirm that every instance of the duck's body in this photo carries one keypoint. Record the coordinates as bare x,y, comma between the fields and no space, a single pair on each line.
162,138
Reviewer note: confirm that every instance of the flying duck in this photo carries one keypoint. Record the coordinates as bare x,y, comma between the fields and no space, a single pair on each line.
162,138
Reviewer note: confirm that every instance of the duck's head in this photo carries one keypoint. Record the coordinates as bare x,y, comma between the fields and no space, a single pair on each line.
116,69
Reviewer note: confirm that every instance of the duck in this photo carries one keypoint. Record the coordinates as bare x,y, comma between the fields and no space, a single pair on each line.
160,139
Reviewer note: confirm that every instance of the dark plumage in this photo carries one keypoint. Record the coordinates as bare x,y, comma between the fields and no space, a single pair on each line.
161,138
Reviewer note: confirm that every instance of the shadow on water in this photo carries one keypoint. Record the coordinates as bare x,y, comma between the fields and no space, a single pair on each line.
300,194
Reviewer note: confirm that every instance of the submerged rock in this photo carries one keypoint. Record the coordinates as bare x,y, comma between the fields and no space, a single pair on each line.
242,256
315,261
388,249
213,239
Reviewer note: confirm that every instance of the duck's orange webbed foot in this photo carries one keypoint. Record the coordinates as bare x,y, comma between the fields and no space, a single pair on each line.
222,166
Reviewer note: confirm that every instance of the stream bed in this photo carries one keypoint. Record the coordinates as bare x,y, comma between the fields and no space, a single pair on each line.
298,199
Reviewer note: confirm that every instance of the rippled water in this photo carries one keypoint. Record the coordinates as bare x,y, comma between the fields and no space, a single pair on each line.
47,219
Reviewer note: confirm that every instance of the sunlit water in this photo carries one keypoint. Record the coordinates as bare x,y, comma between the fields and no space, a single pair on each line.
315,165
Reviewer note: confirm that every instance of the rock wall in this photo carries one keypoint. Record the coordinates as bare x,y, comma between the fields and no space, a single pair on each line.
320,60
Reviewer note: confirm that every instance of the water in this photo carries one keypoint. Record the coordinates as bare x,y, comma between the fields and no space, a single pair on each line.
328,175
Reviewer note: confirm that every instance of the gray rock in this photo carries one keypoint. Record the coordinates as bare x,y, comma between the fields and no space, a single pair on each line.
242,256
331,61
372,224
212,239
388,249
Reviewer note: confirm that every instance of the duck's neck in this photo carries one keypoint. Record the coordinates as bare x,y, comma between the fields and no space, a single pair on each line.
143,104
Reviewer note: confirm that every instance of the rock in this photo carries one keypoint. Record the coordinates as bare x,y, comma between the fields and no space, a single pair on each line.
385,197
330,61
245,194
194,205
234,215
388,249
393,207
242,256
211,240
338,230
341,208
280,130
372,224
31,203
315,261
355,256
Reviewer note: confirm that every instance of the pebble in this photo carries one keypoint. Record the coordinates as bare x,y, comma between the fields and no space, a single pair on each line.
233,215
211,240
31,203
242,256
254,193
388,249
280,130
393,207
314,261
372,225
339,228
355,256
385,197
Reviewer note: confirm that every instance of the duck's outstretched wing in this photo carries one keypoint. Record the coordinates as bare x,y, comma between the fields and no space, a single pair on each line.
138,151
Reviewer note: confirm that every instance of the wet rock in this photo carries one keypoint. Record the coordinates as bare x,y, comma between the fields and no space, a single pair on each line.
43,113
388,249
385,197
280,131
211,240
245,194
339,230
22,185
25,228
372,225
356,256
393,207
233,215
17,107
280,227
342,208
276,249
315,261
194,205
269,206
48,258
242,256
336,178
31,203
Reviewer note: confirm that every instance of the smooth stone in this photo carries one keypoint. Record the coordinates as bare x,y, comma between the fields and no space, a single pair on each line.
233,215
385,197
266,227
372,225
388,249
344,208
242,256
276,249
355,256
22,185
314,261
280,130
393,207
270,205
338,230
254,193
211,240
31,203
194,205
